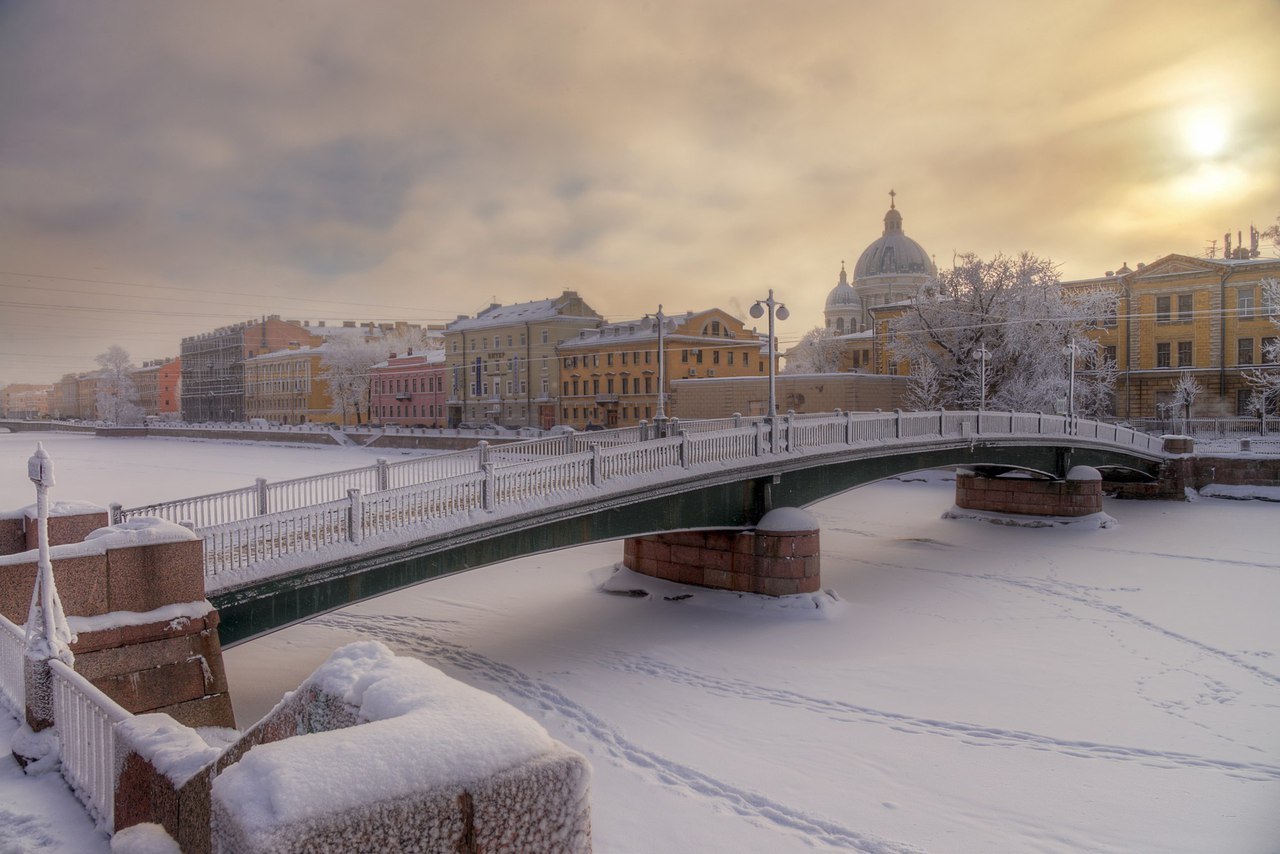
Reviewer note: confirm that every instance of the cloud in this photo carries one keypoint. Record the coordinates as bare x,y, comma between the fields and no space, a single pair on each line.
434,155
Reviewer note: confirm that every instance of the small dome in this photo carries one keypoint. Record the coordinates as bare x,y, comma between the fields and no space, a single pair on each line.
843,293
894,253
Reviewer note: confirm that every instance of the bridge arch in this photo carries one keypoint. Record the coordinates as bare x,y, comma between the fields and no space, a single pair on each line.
735,498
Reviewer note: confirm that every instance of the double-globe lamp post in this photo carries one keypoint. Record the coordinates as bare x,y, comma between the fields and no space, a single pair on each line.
982,354
775,309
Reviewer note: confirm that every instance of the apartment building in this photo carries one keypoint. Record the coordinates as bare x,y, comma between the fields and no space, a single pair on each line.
610,376
1210,317
409,390
25,400
212,365
502,365
158,383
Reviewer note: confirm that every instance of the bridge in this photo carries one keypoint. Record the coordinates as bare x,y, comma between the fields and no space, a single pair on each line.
278,553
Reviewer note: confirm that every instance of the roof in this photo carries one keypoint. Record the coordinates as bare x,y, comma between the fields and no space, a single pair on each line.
524,312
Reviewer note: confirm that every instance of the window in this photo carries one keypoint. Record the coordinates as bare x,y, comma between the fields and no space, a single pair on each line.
1184,354
1162,355
546,336
1110,318
1271,301
684,356
1108,353
715,357
508,340
624,357
1244,351
1162,310
1242,402
1244,303
1271,350
1184,308
608,359
731,358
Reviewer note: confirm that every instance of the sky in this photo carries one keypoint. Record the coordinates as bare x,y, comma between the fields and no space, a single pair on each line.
166,169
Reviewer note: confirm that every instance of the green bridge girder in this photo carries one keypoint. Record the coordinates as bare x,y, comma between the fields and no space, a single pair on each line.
731,499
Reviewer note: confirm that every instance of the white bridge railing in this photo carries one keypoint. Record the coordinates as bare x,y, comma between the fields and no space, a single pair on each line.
267,521
84,719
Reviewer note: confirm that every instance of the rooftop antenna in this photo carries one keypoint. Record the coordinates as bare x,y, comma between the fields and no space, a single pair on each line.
1211,251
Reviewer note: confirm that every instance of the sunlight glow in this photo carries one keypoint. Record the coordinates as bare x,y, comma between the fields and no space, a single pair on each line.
1205,132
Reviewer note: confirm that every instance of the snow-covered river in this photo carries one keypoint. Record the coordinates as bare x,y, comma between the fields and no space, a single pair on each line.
978,687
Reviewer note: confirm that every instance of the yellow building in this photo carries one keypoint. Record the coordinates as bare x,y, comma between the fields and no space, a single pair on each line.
1206,316
610,376
501,364
288,387
24,400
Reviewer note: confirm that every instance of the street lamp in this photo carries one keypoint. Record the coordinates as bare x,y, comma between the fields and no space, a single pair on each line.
775,309
48,635
1072,349
982,354
661,320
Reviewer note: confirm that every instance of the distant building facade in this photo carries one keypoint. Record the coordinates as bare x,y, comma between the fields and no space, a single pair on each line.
212,365
502,366
288,387
409,390
24,400
722,397
609,376
159,383
1208,317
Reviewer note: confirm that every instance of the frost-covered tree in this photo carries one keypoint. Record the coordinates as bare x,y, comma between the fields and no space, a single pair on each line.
1264,380
1017,309
924,391
346,363
413,340
1185,392
117,395
817,353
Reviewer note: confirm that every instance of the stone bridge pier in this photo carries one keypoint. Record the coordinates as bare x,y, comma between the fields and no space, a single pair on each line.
778,557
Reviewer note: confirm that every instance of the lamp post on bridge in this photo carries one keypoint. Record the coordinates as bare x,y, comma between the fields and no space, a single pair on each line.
982,354
780,311
1072,349
661,418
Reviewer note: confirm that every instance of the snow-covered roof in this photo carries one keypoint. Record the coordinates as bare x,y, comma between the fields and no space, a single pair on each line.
523,312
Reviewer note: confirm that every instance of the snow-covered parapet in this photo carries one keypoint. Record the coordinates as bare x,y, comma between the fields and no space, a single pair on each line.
394,755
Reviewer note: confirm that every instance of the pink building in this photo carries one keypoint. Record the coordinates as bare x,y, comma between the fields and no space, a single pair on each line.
409,390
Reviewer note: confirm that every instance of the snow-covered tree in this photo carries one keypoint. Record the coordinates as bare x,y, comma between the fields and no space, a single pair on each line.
117,395
346,363
924,391
817,353
1016,309
413,340
1265,379
1185,393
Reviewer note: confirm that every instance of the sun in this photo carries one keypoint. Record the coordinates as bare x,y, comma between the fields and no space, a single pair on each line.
1205,132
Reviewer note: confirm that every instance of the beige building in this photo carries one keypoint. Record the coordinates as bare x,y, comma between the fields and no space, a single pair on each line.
501,365
609,376
288,387
722,397
23,400
1209,317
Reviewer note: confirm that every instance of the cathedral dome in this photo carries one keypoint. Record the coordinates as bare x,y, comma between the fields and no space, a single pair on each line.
893,253
843,293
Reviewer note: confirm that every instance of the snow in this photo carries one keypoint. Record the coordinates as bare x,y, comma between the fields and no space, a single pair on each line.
142,530
176,751
786,519
177,615
1084,473
144,839
962,687
1240,492
457,735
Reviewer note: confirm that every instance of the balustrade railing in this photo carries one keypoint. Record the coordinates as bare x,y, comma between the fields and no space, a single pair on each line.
268,521
85,719
12,678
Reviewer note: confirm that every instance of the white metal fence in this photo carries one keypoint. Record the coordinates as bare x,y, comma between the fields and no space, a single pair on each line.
388,497
12,680
85,719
